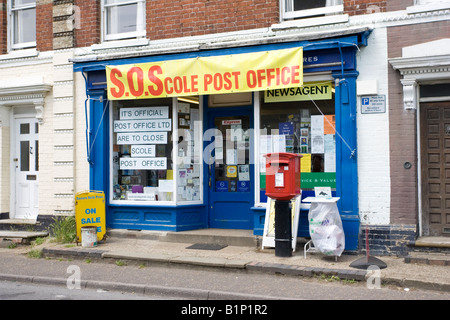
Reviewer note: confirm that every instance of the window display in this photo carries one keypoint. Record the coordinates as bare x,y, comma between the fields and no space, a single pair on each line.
189,153
141,150
147,135
300,127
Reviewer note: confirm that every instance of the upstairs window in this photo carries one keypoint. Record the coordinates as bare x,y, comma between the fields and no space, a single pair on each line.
22,23
293,9
421,6
123,19
422,2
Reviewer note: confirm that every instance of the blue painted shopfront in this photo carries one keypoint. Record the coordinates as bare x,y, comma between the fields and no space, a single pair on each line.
337,56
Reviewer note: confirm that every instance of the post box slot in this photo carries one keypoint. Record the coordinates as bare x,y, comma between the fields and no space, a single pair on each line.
278,163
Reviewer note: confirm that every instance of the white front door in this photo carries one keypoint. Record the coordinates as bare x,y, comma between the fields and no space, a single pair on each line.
26,166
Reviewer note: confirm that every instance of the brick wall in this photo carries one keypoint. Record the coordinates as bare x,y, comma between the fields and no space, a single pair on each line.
3,27
44,25
89,31
402,123
178,19
387,240
398,4
356,7
172,19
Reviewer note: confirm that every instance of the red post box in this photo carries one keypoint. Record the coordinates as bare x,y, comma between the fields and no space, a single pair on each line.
282,175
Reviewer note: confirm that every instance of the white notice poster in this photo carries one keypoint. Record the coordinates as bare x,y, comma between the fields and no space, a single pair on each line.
317,137
142,125
143,150
317,144
279,143
144,113
279,179
316,125
142,138
159,163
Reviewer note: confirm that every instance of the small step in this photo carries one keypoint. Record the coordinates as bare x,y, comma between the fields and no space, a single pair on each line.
21,225
22,237
18,221
431,245
229,237
437,259
434,242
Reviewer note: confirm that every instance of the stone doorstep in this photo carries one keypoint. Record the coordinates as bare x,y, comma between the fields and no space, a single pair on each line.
428,258
19,221
20,237
437,242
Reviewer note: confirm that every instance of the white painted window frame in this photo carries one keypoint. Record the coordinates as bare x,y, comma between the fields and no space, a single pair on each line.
421,6
12,23
140,23
287,13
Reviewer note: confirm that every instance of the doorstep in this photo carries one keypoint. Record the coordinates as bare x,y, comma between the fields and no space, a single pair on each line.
435,242
22,237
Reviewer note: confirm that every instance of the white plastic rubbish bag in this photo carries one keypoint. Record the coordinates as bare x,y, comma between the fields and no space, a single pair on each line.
325,228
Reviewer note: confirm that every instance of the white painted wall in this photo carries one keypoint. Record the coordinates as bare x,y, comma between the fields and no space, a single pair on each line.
373,133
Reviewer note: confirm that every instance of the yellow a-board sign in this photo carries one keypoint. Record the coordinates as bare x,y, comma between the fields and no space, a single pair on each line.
90,212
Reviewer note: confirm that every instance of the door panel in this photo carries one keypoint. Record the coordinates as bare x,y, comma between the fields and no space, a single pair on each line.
26,165
435,172
23,196
231,191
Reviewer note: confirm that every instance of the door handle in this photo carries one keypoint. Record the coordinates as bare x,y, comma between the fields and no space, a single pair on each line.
211,162
210,174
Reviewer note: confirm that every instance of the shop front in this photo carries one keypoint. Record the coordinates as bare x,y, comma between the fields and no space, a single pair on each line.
177,141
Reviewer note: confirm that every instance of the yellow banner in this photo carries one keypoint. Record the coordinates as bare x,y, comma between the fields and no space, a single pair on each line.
207,75
311,90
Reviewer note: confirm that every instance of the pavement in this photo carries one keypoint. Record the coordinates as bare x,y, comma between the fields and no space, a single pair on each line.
239,249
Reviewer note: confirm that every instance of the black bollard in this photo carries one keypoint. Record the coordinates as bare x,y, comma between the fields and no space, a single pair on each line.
283,229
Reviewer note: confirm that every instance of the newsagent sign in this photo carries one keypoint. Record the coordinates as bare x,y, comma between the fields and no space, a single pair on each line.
257,71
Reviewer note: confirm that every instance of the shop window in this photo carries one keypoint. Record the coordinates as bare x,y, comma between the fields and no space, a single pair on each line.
302,121
123,19
293,9
155,156
142,169
189,150
22,23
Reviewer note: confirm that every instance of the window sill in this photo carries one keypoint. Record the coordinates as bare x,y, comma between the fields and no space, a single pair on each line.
159,204
310,22
120,44
18,54
427,7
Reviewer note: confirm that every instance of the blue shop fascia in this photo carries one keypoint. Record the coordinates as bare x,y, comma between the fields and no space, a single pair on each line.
205,166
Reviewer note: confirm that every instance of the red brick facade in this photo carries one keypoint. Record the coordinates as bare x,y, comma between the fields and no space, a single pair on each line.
89,31
44,25
357,7
3,27
169,19
194,17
